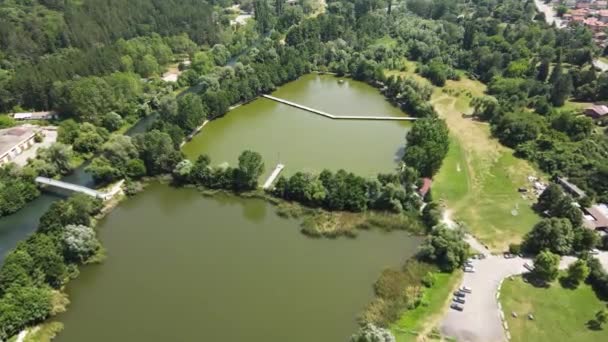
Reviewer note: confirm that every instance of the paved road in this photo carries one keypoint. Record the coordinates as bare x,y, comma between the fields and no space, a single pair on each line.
481,319
550,15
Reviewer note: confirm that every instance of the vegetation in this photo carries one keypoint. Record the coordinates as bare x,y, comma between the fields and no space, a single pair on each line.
44,262
446,248
346,191
560,313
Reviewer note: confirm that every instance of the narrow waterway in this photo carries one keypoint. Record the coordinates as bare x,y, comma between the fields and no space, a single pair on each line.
17,227
182,267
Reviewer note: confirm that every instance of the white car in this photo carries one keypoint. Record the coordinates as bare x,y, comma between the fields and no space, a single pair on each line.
466,289
469,269
594,251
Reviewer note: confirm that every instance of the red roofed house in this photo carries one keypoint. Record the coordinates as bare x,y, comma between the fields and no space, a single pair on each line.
600,4
596,111
426,186
583,5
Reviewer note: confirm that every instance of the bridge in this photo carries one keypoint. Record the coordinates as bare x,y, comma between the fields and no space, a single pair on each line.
79,188
340,117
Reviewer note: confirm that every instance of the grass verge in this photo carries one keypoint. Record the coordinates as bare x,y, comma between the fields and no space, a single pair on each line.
419,321
560,314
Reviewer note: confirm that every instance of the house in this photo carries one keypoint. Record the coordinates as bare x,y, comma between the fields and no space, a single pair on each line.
603,16
583,5
595,25
601,4
425,187
596,111
15,140
596,217
35,116
571,188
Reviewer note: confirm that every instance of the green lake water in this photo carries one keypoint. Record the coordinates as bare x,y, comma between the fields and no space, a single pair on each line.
184,267
304,141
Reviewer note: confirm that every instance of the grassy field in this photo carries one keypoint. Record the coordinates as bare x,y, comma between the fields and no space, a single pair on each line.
479,178
422,318
560,314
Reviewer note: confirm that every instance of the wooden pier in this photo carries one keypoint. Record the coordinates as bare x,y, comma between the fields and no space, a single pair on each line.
275,173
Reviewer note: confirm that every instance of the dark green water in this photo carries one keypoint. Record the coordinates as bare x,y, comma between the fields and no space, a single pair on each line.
183,267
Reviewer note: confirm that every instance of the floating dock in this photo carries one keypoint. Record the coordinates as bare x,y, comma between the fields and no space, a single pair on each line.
340,117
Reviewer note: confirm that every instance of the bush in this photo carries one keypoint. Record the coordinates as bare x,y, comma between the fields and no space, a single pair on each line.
429,279
515,248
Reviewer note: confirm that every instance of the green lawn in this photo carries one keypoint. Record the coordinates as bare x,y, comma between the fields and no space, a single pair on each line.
559,314
479,178
422,317
452,182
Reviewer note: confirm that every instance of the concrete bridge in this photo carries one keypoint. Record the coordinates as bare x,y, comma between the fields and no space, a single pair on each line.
79,188
340,117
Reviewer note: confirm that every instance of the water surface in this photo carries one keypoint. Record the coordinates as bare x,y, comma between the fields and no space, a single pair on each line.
182,267
304,141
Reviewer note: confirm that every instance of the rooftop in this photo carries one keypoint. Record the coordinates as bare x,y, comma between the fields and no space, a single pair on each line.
10,137
596,217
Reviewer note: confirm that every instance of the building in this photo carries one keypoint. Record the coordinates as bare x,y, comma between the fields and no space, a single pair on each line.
425,187
595,25
571,188
596,217
35,116
603,16
596,111
15,140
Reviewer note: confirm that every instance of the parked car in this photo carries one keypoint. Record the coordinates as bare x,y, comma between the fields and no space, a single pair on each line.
529,267
509,255
469,269
457,307
459,294
466,289
594,251
459,300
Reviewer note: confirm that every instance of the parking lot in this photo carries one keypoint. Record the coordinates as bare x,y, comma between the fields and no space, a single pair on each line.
480,321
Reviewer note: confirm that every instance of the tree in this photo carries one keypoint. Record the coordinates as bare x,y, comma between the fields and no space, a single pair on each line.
553,234
543,70
427,146
546,266
79,243
251,167
112,121
157,151
431,214
190,112
372,333
444,247
577,272
601,317
182,171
